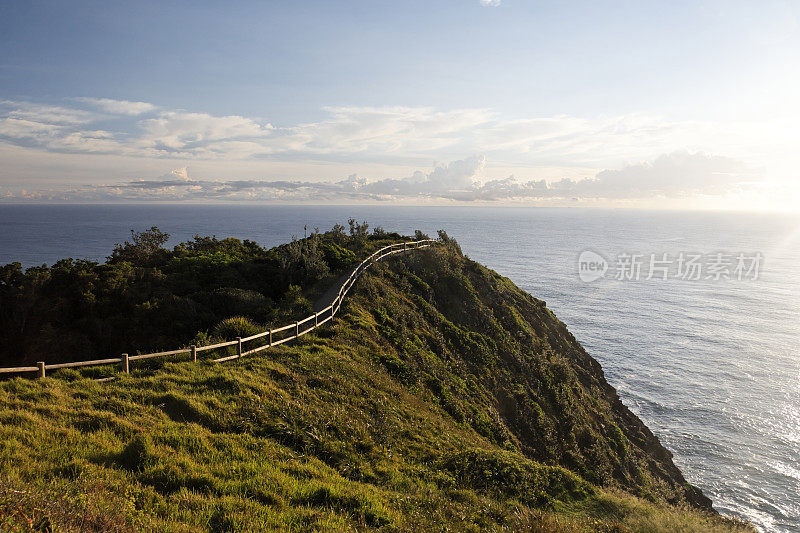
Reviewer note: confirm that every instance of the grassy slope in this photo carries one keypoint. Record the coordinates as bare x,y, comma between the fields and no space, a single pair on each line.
442,398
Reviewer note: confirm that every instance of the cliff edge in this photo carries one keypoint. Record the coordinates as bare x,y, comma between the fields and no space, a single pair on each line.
442,397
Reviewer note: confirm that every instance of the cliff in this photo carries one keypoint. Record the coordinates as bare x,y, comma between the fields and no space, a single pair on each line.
442,397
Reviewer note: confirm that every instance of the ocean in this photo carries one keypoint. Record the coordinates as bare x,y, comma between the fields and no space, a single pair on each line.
695,317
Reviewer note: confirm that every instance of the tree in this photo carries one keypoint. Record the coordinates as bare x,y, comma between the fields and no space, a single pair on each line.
356,229
449,241
142,248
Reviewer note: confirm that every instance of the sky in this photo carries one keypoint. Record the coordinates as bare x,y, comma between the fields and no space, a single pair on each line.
618,103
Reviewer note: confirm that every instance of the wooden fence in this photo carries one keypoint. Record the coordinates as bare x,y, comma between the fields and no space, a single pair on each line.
296,329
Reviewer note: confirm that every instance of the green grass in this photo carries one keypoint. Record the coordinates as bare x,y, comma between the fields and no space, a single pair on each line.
399,416
273,443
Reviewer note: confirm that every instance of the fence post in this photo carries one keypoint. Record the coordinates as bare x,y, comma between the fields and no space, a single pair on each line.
316,319
194,353
297,329
239,346
40,364
270,337
125,363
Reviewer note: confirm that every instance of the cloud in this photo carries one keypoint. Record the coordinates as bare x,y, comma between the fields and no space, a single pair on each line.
676,175
20,129
348,130
382,129
490,3
601,158
444,181
201,134
44,115
357,134
119,107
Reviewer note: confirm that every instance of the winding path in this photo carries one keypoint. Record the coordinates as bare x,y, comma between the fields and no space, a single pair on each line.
329,296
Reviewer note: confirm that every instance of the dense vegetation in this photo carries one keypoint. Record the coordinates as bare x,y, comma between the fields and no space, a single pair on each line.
442,398
146,298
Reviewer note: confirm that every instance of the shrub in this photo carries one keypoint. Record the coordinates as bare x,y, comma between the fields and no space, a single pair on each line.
136,455
516,476
336,256
302,261
227,301
295,302
619,440
68,374
235,326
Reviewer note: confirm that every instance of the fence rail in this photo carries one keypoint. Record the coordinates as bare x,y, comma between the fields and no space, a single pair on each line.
319,318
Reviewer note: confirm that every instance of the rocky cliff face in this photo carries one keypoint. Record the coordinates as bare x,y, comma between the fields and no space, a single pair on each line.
497,360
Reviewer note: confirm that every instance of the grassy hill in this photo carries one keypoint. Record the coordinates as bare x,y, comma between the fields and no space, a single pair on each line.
441,398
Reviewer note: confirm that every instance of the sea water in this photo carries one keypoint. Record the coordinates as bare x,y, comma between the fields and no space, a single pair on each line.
709,361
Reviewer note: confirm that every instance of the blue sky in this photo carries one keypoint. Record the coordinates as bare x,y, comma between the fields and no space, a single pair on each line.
319,91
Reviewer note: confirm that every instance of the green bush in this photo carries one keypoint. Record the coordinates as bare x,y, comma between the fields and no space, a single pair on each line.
137,453
337,257
147,298
235,326
296,303
515,476
228,301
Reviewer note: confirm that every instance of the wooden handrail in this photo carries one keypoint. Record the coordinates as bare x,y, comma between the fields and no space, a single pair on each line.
158,354
284,328
306,319
218,345
84,363
18,369
330,311
256,336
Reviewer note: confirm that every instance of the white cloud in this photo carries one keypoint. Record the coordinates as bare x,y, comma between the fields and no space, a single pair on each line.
490,3
119,107
676,174
671,176
201,134
46,114
19,129
40,143
87,141
383,129
442,182
407,134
